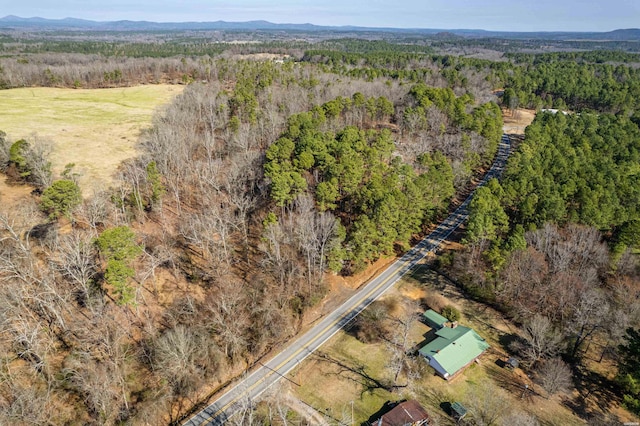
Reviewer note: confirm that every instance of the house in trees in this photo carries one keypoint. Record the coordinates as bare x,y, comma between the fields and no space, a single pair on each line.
453,349
407,413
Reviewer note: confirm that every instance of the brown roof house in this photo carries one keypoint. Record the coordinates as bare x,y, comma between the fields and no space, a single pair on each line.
407,413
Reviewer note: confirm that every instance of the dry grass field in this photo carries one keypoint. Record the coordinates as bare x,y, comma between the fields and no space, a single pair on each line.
516,122
94,128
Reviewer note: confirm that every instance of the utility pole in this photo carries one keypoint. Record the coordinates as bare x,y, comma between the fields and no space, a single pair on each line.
526,388
352,412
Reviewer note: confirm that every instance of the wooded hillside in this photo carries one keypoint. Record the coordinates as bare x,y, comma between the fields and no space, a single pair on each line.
264,180
249,191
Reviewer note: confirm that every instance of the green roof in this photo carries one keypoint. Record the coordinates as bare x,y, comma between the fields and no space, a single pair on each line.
434,319
452,333
459,410
454,348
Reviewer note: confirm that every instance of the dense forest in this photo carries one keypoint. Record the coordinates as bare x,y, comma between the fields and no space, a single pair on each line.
265,178
282,173
555,243
569,85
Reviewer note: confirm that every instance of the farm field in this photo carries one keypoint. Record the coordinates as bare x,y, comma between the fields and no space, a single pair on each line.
94,128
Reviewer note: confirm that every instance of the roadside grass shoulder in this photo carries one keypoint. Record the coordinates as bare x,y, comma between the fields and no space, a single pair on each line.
346,370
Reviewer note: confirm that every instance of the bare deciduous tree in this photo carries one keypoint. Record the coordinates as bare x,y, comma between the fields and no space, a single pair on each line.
95,210
77,263
487,403
541,339
277,246
208,234
227,316
182,357
99,386
22,403
400,344
239,188
37,158
590,315
555,376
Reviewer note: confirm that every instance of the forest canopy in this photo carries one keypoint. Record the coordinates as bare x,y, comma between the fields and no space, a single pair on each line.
355,173
269,174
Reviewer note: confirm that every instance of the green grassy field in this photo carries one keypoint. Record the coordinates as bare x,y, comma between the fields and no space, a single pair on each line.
94,128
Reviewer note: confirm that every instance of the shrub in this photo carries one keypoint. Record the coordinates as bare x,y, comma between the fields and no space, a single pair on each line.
372,325
434,301
17,156
60,198
451,313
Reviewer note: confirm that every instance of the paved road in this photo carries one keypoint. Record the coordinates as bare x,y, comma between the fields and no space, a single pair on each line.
261,378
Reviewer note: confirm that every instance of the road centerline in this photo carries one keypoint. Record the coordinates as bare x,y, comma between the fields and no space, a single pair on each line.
336,320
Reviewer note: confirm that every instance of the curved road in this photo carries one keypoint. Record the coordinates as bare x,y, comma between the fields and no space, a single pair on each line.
261,378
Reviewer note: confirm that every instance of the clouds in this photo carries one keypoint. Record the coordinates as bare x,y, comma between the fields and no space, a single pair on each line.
518,15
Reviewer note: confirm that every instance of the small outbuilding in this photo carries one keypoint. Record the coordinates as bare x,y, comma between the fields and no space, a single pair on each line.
512,363
407,413
458,411
434,319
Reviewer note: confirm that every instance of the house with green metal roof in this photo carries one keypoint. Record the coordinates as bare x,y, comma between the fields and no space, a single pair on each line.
453,349
434,319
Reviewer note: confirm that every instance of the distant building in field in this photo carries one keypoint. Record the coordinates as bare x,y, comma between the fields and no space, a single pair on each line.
553,111
407,413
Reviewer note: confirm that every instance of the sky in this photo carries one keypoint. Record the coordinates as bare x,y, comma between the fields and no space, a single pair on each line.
497,15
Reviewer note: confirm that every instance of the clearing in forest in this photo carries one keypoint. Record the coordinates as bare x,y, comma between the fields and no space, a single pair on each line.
355,376
517,120
96,129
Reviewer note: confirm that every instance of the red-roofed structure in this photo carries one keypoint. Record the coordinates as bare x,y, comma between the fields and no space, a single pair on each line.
407,413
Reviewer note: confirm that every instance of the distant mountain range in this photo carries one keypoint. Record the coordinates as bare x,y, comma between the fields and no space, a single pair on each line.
16,22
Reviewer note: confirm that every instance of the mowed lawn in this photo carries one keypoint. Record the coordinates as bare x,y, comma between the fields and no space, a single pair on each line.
94,128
